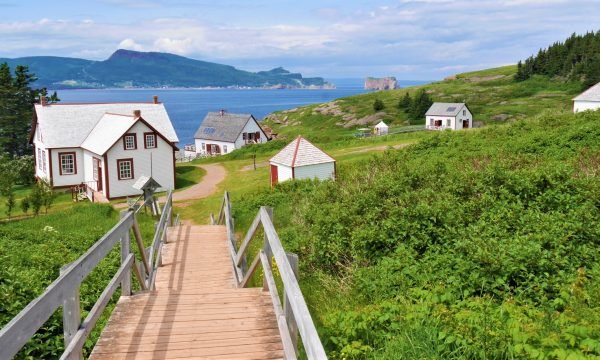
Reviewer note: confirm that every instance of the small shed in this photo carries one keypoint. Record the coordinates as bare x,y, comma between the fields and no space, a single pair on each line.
381,129
300,159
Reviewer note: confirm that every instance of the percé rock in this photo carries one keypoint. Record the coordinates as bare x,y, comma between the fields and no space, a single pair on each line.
386,83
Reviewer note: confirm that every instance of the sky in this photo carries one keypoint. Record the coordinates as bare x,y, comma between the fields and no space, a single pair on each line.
409,39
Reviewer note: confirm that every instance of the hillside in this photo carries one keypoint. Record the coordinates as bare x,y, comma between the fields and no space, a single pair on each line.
126,68
492,95
480,244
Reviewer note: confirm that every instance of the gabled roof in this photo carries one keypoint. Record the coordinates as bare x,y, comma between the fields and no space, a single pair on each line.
445,109
68,125
109,129
224,126
301,152
381,125
591,94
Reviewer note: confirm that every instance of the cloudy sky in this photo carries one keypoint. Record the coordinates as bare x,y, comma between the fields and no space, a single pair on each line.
409,39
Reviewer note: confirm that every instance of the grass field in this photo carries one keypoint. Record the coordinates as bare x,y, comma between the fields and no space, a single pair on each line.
492,95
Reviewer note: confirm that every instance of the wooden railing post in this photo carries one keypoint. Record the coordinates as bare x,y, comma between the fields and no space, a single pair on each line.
267,247
287,308
125,241
71,316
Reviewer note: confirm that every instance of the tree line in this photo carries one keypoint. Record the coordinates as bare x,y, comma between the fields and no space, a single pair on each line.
577,58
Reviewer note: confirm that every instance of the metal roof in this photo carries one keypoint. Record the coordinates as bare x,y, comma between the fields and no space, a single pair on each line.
445,109
301,152
68,125
591,94
222,126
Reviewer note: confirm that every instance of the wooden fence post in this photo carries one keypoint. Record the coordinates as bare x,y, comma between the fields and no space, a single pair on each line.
287,308
125,241
71,316
267,247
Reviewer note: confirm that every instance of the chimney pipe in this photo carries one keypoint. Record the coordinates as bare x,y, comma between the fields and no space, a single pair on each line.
137,113
43,100
155,99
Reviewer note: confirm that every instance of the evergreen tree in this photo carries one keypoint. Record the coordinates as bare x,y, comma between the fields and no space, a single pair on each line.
16,109
405,102
420,105
378,105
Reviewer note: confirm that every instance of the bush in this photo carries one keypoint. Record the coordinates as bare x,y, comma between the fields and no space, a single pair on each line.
25,204
378,105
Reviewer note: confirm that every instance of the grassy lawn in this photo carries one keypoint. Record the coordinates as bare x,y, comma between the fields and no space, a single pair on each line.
61,202
187,175
492,95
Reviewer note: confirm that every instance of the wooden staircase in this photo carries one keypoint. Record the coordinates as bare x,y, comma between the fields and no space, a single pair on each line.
196,311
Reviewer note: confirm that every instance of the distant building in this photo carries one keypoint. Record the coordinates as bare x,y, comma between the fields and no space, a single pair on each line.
588,100
300,159
104,146
386,83
454,116
381,129
222,132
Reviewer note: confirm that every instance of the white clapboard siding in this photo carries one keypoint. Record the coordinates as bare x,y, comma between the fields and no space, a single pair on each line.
319,171
284,173
251,127
230,146
161,168
579,105
67,180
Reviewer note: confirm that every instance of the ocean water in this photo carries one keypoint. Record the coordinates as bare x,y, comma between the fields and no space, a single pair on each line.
187,108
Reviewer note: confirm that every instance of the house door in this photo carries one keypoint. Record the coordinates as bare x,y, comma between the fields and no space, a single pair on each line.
273,175
97,170
438,123
465,124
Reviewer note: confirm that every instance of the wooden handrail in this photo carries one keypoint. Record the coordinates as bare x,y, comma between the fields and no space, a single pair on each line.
64,291
294,317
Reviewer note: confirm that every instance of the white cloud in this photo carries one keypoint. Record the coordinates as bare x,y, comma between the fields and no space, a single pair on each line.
130,44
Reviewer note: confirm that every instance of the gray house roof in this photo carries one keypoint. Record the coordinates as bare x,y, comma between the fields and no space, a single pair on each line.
224,126
445,109
591,94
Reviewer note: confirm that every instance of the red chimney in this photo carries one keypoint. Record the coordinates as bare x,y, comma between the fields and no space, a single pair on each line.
43,101
137,113
155,99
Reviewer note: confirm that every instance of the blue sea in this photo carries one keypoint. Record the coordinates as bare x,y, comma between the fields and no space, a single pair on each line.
187,107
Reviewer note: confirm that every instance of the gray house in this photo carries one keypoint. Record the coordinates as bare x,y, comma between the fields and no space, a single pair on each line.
222,132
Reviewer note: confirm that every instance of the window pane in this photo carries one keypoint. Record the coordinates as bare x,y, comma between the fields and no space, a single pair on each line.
150,141
125,169
129,142
67,163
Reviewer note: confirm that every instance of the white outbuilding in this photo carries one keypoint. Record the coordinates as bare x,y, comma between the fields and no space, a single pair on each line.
300,159
381,129
453,116
588,100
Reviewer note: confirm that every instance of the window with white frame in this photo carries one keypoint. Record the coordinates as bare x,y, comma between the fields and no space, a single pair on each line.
125,167
464,112
224,149
39,159
448,122
149,140
203,147
44,160
129,142
67,163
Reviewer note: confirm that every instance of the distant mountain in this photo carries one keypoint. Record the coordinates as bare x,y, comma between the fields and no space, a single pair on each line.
134,69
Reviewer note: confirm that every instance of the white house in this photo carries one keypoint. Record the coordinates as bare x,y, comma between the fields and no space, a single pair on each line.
106,146
222,132
588,100
454,116
381,129
300,159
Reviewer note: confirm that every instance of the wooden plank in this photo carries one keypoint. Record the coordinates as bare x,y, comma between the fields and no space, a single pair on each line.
251,271
87,326
287,309
23,326
140,243
288,345
306,327
138,275
125,241
249,235
71,317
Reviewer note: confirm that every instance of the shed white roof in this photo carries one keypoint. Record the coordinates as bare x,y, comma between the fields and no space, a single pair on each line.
381,125
68,125
591,94
108,130
301,152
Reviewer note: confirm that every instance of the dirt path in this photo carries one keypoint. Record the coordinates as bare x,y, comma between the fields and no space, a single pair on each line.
377,148
215,173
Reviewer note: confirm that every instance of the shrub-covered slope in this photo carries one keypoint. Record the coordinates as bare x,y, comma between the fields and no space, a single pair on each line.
492,95
474,244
